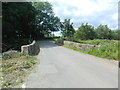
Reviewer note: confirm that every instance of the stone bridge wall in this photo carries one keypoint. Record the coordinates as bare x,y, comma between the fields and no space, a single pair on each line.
31,49
79,45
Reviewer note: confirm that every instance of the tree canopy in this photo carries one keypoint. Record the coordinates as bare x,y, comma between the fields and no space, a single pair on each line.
103,32
67,29
46,21
85,32
18,19
26,20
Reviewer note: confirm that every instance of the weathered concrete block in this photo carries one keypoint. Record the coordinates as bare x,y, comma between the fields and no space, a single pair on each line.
9,54
80,46
31,49
59,42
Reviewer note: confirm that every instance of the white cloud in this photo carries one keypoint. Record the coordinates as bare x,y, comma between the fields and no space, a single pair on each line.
87,7
115,16
94,12
66,12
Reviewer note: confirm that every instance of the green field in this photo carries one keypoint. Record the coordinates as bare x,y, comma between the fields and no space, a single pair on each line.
108,48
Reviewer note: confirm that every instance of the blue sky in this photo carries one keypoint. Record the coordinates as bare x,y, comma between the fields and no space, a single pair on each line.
94,12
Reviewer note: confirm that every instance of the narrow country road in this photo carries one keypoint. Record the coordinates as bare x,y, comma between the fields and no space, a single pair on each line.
64,68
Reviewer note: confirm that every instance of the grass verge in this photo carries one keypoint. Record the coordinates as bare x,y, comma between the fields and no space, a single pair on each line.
15,70
108,49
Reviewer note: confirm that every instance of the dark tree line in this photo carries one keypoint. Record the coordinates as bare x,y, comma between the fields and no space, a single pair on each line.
17,19
24,21
18,23
28,20
88,32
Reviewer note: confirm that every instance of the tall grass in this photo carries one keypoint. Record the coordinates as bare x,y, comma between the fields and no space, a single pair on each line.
108,48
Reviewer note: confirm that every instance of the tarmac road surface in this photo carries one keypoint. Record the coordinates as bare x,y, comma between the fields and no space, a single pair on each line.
65,68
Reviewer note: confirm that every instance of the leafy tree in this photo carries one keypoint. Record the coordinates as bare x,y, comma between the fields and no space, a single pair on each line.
85,32
46,22
115,34
67,29
103,32
18,24
18,19
26,20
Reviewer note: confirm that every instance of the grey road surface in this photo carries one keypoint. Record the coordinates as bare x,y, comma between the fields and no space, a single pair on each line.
64,68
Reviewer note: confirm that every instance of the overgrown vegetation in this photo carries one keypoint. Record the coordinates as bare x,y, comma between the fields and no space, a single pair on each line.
97,41
14,70
26,20
102,35
108,48
88,32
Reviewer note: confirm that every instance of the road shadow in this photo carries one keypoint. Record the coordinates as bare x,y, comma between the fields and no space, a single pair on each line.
47,44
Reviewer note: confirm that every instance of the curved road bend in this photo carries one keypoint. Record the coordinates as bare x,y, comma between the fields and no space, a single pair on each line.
64,68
